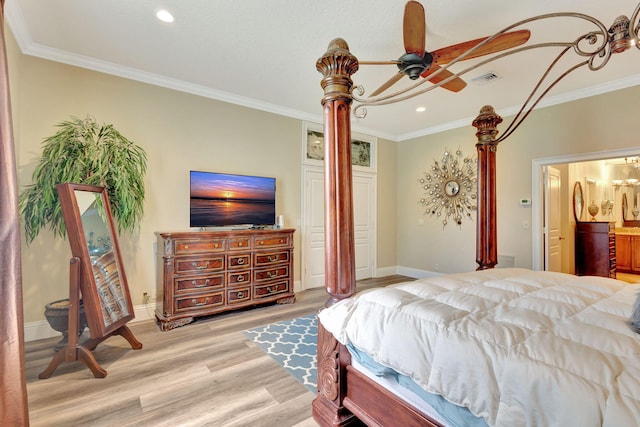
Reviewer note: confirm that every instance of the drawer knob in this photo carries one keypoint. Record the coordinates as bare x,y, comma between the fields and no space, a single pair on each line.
273,259
240,279
240,294
240,261
198,304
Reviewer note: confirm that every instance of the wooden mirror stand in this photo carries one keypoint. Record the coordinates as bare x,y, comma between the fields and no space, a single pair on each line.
96,272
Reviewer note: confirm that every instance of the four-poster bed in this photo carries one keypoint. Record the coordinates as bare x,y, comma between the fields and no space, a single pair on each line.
348,396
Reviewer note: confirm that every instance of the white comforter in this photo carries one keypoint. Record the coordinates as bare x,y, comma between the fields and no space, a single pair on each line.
517,347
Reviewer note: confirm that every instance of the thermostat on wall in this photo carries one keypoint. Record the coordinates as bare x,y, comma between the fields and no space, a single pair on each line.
525,202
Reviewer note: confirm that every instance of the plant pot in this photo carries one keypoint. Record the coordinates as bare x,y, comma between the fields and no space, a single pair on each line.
57,314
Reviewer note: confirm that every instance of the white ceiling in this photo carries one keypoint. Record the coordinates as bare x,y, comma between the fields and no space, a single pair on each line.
262,54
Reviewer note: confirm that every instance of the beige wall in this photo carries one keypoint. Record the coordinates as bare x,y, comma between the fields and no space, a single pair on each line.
179,132
600,123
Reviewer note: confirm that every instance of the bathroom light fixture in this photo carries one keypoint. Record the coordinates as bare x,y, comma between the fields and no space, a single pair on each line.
635,162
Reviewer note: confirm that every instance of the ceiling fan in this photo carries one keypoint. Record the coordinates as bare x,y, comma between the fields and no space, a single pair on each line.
416,62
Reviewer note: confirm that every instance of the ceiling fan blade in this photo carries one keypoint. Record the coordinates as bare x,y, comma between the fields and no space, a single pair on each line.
502,42
413,28
392,62
386,85
455,85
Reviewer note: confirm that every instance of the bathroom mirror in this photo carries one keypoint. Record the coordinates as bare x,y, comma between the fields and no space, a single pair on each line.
578,201
630,211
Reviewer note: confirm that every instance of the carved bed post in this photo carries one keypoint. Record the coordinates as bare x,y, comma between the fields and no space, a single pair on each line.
486,235
336,65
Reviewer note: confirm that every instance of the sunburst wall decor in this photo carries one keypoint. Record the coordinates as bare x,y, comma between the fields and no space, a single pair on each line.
450,189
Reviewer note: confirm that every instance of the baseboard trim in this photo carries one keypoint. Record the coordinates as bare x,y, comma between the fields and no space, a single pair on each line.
40,330
417,273
406,271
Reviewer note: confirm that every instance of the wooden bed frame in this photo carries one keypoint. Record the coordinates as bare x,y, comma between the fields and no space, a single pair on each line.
345,396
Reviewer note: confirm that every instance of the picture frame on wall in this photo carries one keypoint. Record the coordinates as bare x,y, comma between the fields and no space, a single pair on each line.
363,148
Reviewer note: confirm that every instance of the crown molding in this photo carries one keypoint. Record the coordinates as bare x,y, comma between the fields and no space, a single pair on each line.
28,47
545,102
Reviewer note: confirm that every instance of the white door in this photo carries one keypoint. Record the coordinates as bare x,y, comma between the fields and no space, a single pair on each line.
553,200
364,202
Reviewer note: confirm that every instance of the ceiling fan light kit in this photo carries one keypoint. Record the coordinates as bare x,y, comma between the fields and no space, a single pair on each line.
592,49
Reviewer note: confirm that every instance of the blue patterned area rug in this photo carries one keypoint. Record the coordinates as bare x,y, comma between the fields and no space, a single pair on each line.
291,343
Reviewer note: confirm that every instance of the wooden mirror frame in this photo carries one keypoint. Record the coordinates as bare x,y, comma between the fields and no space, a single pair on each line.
578,201
96,275
103,316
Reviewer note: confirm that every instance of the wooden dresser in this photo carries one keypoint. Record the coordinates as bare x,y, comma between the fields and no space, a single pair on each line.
206,272
596,249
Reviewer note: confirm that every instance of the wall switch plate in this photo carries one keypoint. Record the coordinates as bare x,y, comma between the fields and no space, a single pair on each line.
525,202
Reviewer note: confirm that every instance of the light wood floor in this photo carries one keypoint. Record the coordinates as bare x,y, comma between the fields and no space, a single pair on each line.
203,374
630,278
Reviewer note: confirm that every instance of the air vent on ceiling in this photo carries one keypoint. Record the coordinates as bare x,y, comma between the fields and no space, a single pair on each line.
485,78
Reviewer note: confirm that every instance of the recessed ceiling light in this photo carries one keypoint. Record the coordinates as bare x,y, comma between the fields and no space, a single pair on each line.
420,109
164,15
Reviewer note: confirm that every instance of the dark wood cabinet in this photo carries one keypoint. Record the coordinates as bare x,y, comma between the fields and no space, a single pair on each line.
595,249
207,272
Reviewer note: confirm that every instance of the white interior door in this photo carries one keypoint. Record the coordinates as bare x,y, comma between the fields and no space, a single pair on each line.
313,226
553,220
364,203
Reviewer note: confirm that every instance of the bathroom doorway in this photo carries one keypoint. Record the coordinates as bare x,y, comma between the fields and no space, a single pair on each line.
542,206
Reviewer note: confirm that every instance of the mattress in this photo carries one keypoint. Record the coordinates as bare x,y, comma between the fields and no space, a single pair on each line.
434,405
514,346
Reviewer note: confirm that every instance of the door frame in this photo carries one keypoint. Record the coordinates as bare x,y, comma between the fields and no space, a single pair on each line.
537,193
549,172
304,220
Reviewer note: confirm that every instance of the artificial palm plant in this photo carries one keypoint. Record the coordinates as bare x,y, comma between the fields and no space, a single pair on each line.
85,152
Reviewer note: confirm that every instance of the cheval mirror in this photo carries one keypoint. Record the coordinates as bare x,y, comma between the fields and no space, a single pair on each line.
96,272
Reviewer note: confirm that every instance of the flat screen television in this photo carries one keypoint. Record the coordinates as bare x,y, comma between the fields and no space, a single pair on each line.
221,199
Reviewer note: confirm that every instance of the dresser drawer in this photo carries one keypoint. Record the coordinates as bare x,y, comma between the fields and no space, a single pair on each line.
272,241
268,274
238,295
199,283
201,302
236,278
198,246
238,243
262,259
265,291
239,261
199,264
